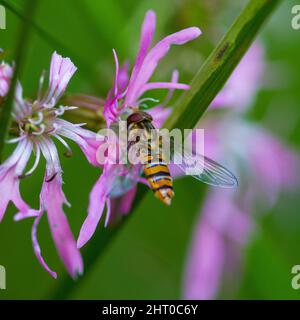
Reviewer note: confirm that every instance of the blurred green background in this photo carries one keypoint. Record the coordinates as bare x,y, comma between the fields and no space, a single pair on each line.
146,259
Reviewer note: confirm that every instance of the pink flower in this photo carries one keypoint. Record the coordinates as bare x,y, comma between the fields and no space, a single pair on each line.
118,181
39,123
265,165
242,86
6,73
265,168
222,228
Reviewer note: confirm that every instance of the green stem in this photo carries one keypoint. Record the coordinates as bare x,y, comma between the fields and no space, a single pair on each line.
189,109
19,54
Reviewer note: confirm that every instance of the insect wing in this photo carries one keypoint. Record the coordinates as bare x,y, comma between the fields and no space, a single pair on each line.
205,170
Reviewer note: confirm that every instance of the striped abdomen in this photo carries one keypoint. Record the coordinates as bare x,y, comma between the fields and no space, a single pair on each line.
160,180
158,175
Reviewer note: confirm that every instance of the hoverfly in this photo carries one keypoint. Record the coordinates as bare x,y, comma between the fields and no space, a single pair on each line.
157,171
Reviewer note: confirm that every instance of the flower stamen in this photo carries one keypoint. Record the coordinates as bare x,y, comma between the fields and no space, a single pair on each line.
41,131
36,162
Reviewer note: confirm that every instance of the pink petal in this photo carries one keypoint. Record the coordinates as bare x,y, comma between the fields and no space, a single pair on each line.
115,87
164,85
123,77
205,264
52,200
14,158
176,171
222,231
10,171
108,212
24,210
127,201
87,140
37,249
154,56
98,197
274,166
20,108
111,109
6,187
111,104
50,153
147,33
6,73
61,71
223,213
174,79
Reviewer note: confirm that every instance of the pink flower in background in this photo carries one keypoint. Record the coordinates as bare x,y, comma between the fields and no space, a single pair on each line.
220,232
126,95
265,168
6,73
39,123
241,88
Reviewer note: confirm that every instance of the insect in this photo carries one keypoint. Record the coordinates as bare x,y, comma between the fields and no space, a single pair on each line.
156,169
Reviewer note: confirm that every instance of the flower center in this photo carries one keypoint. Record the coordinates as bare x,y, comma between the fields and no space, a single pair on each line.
39,121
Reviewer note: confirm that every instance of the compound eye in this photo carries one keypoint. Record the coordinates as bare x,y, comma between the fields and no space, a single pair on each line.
134,118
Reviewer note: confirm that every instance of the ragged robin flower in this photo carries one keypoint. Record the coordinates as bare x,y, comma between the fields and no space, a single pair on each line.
38,124
116,187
